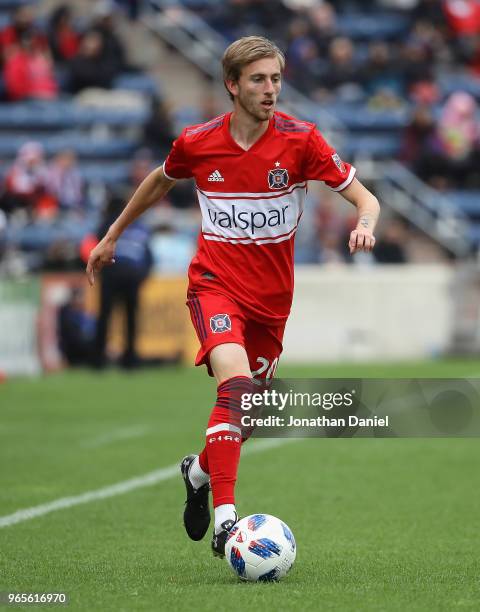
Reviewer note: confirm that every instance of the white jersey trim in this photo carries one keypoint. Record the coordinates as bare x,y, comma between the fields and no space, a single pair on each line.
255,196
347,181
242,241
170,178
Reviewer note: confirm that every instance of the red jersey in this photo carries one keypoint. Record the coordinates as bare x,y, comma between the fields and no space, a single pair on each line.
251,203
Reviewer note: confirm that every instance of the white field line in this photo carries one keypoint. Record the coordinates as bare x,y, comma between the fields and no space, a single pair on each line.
123,433
147,480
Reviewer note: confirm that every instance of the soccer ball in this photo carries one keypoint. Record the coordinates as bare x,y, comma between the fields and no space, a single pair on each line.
260,547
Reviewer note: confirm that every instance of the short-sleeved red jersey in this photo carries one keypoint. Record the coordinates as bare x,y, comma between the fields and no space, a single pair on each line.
251,203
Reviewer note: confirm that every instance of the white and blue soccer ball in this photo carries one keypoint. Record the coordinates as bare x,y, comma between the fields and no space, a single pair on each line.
260,547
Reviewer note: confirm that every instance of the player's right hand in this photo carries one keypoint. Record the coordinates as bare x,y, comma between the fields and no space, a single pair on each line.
102,255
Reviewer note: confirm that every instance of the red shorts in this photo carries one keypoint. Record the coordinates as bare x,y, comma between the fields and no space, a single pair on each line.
219,320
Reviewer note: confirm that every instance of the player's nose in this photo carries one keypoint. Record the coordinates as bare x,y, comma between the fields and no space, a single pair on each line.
269,87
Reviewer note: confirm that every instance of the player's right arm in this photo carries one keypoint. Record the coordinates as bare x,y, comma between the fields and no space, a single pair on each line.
152,189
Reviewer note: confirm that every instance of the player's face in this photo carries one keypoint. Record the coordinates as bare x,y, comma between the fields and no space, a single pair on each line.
258,87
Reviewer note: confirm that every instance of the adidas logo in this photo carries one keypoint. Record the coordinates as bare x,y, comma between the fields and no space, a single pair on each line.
216,177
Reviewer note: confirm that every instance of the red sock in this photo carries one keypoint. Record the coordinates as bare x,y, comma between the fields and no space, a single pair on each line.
203,456
221,455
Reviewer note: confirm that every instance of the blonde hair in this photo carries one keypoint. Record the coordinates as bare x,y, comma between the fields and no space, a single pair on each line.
244,51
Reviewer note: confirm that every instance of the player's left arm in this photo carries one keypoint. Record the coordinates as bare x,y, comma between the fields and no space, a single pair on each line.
368,209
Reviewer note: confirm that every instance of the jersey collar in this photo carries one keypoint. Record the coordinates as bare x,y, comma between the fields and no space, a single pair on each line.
235,145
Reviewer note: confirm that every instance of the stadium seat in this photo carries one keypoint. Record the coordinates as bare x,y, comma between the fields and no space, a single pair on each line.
140,82
4,20
199,4
108,173
468,201
365,118
65,114
378,26
474,232
378,146
84,146
39,236
187,115
8,5
450,83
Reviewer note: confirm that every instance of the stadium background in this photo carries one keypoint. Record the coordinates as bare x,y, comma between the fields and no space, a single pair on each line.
395,85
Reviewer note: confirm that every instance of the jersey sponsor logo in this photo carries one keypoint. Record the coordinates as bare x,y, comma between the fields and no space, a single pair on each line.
244,218
278,178
220,323
248,220
216,177
339,163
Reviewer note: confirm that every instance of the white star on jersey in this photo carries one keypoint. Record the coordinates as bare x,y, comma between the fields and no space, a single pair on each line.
277,164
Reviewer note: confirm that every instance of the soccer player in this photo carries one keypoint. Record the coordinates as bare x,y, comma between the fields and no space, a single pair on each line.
251,168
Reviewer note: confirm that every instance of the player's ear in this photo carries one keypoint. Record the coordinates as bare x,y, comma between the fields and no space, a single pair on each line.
232,87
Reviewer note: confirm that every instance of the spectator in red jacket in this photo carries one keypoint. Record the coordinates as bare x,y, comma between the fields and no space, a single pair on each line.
28,72
22,26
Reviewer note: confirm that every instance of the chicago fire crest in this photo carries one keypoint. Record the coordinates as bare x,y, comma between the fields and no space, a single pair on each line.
278,178
220,323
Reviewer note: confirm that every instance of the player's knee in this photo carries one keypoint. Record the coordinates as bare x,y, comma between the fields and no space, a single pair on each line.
229,360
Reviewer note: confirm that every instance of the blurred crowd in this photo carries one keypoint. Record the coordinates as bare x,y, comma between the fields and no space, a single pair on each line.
41,62
60,56
395,63
40,189
385,56
445,151
388,65
35,188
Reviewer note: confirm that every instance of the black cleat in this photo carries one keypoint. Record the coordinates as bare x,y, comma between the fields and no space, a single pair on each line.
220,539
196,516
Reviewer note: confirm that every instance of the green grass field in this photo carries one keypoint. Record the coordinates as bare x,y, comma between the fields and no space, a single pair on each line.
381,524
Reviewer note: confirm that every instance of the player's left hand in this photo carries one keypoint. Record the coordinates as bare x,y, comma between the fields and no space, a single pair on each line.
102,255
361,239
